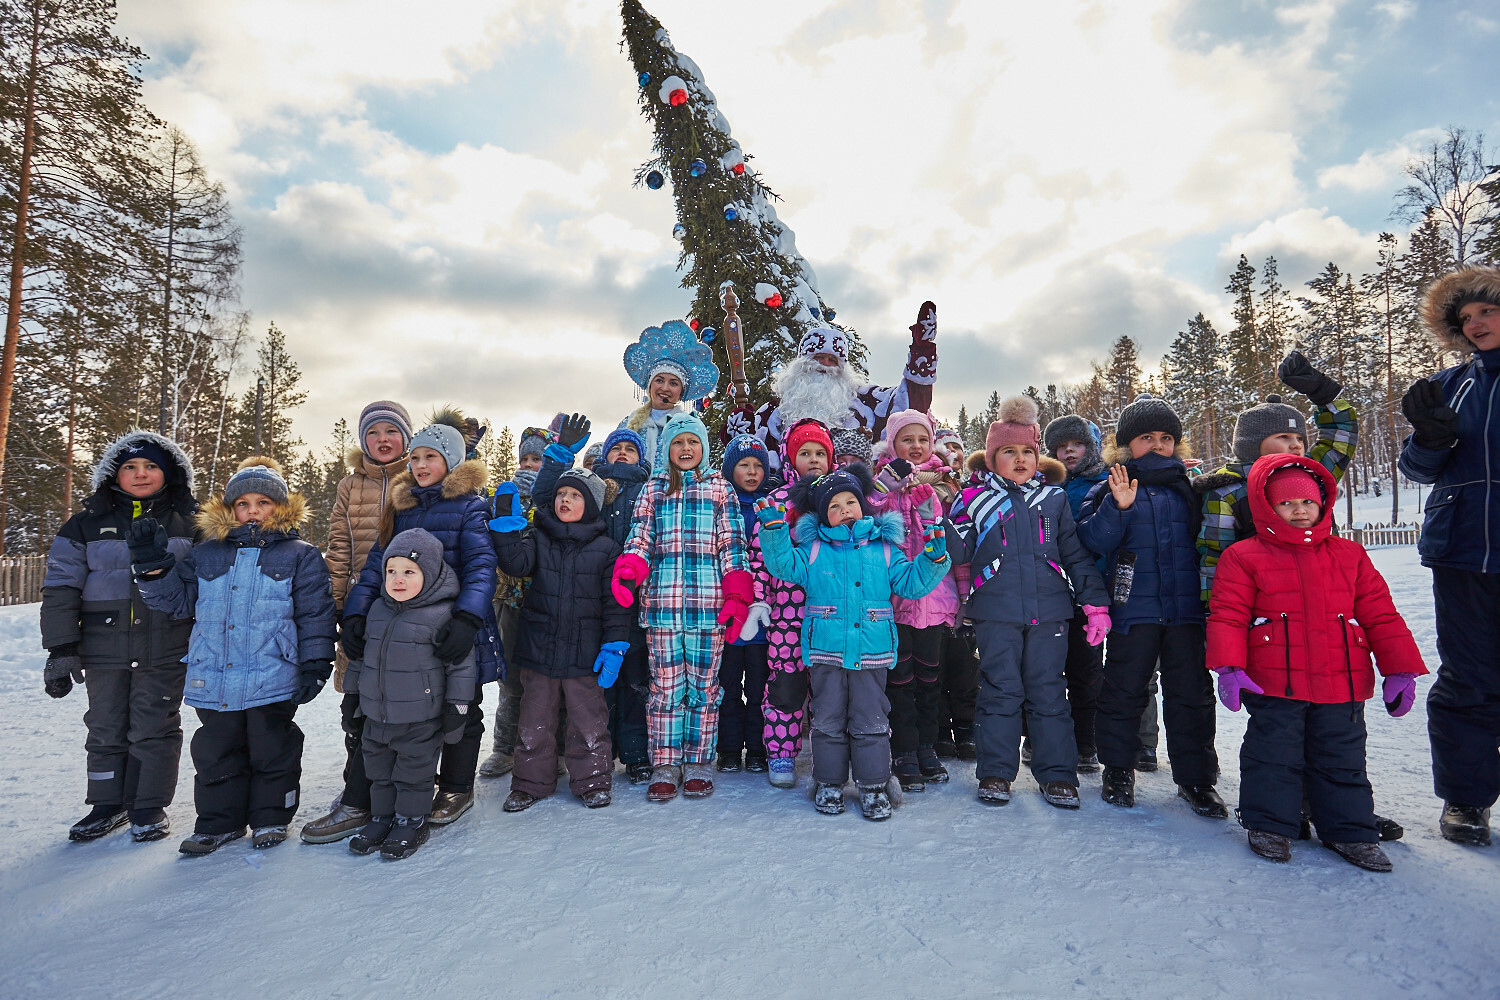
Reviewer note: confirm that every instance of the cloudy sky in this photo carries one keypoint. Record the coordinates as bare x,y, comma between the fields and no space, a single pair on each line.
438,207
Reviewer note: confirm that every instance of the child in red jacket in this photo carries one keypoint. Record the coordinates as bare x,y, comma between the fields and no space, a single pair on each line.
1294,619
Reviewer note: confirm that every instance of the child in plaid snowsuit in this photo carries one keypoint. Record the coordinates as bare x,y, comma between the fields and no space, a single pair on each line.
686,553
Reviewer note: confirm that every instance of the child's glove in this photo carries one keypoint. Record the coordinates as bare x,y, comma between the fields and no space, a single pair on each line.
148,547
352,637
505,505
64,666
455,638
455,717
607,663
758,618
770,515
630,572
1298,374
349,711
737,598
900,466
574,433
935,542
310,680
1433,423
1232,682
1098,624
1400,693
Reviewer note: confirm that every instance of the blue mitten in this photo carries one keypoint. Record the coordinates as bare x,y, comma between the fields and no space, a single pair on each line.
607,663
506,507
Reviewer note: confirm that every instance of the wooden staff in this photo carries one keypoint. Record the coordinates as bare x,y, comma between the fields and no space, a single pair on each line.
734,345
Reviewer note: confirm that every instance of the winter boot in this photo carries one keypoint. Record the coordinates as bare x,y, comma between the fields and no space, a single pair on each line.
756,763
945,747
638,772
597,799
1061,794
1388,829
206,843
372,835
932,769
1271,846
699,783
729,763
264,838
783,772
963,740
1026,752
906,770
1304,828
409,833
342,822
449,806
1088,761
1204,800
518,801
497,764
665,781
1465,824
994,791
1118,788
828,798
1147,759
874,802
100,820
1367,856
147,825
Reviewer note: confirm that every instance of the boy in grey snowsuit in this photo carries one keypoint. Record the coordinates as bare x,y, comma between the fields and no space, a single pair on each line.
412,702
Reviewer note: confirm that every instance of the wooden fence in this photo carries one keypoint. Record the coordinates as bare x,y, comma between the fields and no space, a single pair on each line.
21,579
1377,535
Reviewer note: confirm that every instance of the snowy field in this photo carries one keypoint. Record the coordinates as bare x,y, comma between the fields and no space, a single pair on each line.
749,893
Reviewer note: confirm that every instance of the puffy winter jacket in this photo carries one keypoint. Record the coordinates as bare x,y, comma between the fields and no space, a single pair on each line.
456,512
263,602
401,680
569,611
1301,611
619,511
354,526
1461,528
1161,529
919,505
850,574
1021,550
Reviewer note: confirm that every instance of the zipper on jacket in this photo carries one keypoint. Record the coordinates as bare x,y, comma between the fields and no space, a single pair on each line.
385,641
1286,635
1489,482
1348,667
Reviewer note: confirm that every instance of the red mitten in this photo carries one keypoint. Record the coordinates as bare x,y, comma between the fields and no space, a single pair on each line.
630,572
737,597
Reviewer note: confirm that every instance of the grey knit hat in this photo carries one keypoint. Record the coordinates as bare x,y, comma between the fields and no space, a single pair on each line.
849,441
1260,422
532,444
384,409
587,483
260,479
444,440
422,548
1147,414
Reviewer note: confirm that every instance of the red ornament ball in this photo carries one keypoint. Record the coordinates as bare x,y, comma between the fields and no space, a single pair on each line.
774,302
678,97
694,324
739,168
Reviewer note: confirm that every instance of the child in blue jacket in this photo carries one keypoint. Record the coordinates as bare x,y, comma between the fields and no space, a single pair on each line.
850,564
262,644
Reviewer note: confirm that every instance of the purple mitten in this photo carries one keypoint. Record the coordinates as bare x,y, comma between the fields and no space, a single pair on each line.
1232,681
1400,693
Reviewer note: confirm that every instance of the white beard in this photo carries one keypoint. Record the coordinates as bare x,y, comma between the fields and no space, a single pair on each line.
808,389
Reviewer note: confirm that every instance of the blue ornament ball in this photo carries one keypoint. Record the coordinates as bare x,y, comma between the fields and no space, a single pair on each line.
731,213
707,334
644,78
655,180
679,230
698,168
814,311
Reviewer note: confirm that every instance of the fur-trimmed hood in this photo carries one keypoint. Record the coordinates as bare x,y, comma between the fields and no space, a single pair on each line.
977,462
1230,475
887,527
1054,473
216,520
471,476
1446,295
181,482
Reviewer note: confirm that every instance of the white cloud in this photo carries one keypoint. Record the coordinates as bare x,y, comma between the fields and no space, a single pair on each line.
1377,170
1302,241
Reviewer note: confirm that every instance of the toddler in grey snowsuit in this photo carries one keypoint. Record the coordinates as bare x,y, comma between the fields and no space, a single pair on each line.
411,700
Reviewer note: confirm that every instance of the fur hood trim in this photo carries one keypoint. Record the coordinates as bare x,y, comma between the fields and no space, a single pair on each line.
470,477
1115,454
889,527
1053,471
109,460
1205,485
1444,297
217,520
977,462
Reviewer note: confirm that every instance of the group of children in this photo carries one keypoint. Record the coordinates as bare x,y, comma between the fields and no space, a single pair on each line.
855,595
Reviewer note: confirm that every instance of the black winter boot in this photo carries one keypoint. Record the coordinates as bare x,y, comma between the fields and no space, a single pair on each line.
1118,788
906,770
102,819
1465,824
1388,829
409,833
932,769
1204,800
963,741
371,835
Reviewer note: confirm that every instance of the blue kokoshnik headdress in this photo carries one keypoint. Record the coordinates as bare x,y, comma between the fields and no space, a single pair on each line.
673,347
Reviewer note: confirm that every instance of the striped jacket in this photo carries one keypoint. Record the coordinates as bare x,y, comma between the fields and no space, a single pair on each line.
1226,512
690,541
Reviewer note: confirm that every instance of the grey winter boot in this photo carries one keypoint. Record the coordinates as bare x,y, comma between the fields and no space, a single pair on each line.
1367,856
665,780
497,764
874,802
828,798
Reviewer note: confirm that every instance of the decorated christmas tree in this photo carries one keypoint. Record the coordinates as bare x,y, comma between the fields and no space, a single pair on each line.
726,224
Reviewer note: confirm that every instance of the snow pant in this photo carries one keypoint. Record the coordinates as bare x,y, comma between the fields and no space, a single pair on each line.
508,711
460,761
682,714
1150,728
1463,706
249,768
851,726
1187,700
134,740
1084,670
1292,744
912,687
402,761
356,780
626,699
743,673
1021,671
590,760
785,703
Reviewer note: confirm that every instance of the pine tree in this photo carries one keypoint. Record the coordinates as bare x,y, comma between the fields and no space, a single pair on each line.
282,394
498,453
1121,375
1246,366
963,427
1274,314
1196,381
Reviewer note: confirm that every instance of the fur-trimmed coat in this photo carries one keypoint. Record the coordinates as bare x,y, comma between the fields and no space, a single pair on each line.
263,606
456,512
354,525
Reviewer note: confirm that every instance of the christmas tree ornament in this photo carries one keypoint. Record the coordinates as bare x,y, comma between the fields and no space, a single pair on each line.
654,180
814,311
768,296
733,162
734,345
708,334
644,78
694,324
679,231
697,168
738,169
828,313
673,91
731,213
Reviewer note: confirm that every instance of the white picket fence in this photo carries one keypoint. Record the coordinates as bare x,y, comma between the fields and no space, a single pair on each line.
21,579
1374,536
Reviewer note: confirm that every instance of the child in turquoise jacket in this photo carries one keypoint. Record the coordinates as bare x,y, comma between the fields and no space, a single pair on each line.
851,564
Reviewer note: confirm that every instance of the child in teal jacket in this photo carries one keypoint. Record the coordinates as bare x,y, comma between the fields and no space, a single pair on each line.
851,564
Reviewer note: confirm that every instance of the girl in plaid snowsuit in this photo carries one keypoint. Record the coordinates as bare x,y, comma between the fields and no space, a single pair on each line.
686,554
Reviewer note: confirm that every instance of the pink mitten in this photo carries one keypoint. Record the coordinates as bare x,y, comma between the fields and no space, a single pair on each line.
1233,681
1098,624
630,571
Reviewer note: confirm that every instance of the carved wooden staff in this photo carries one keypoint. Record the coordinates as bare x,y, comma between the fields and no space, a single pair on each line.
734,345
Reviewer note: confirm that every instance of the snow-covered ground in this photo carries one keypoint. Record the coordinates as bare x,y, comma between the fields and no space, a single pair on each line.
747,893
